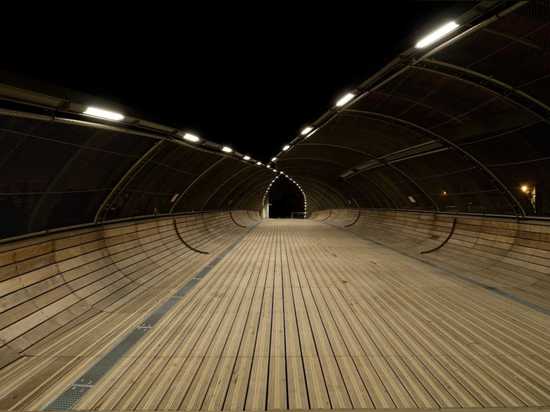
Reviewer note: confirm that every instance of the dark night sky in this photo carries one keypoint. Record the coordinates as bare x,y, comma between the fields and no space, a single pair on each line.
248,76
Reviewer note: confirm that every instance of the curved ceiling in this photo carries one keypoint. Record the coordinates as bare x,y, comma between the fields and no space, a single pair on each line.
459,127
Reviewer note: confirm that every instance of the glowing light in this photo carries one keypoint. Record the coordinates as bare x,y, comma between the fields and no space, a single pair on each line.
286,147
191,138
524,188
103,114
306,130
273,159
345,99
436,35
259,163
246,157
227,149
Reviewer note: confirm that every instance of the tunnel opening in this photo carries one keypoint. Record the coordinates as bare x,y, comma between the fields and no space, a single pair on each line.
284,200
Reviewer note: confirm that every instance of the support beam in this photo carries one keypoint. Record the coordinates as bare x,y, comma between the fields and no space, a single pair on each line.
488,172
103,210
205,171
490,84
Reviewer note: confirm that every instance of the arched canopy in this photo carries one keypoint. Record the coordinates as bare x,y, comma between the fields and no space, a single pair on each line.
461,126
58,169
458,127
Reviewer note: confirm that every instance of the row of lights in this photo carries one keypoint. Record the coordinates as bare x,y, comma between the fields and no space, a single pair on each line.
310,130
346,98
266,193
349,96
192,138
426,41
306,131
189,137
303,193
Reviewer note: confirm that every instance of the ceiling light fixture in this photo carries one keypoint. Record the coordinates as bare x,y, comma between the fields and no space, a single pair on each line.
246,157
227,149
103,114
345,99
191,138
437,35
306,130
286,147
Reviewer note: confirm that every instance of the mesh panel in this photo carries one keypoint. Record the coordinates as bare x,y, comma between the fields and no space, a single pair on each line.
54,175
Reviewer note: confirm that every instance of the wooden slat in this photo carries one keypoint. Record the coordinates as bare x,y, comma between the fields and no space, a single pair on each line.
299,315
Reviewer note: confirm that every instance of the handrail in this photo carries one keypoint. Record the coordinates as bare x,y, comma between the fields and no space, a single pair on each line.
234,221
184,242
444,242
356,219
329,214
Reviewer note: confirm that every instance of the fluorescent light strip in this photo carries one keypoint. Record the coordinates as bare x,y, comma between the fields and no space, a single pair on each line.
191,138
103,114
306,130
345,99
436,35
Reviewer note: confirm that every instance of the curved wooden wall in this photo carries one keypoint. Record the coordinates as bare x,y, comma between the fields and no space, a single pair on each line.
52,283
510,255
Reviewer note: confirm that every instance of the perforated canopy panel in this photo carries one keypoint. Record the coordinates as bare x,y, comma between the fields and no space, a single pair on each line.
460,127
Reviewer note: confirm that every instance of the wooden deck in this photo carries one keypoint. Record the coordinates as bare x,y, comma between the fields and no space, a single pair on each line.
302,315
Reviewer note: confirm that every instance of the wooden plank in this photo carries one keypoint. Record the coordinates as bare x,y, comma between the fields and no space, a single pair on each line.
300,315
